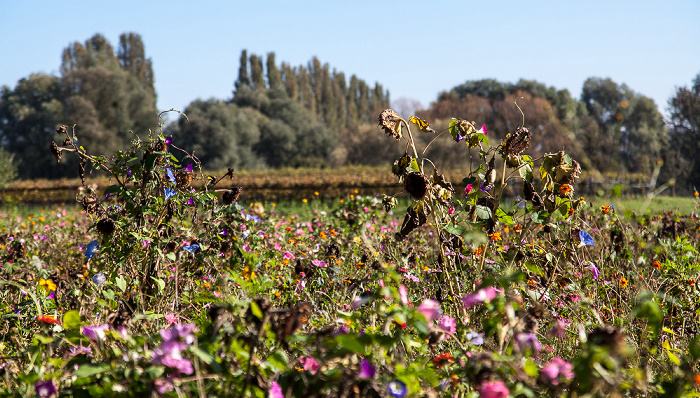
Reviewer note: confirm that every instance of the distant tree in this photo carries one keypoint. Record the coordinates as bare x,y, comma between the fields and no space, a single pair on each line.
684,133
256,71
290,81
132,58
8,168
307,97
274,77
29,116
243,77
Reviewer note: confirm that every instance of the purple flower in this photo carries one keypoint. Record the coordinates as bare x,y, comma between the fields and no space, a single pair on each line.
558,367
586,239
169,139
171,176
99,279
169,193
182,365
430,309
494,389
128,173
558,329
475,338
484,295
397,388
91,249
189,167
163,386
528,341
175,339
594,270
366,370
319,263
44,388
191,248
95,333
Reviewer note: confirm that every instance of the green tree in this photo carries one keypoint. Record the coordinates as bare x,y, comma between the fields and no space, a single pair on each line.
29,116
684,134
290,81
132,58
243,77
274,77
256,72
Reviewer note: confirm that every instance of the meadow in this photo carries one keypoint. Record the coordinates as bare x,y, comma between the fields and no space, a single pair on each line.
163,281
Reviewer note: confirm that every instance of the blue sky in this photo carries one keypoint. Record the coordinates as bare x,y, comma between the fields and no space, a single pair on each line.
415,49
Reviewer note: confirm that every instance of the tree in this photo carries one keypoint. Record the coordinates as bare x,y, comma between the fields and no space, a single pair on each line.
132,58
243,77
256,72
684,133
274,77
290,81
29,116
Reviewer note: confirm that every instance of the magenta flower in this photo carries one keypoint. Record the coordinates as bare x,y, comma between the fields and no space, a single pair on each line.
366,370
558,329
468,189
528,341
594,270
310,364
430,309
558,367
287,255
484,295
403,294
95,333
170,318
448,325
483,129
276,390
494,389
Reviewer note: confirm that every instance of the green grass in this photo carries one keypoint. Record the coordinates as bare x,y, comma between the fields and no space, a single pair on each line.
657,205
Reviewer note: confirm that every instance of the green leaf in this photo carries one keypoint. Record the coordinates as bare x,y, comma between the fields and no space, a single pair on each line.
526,172
43,339
483,212
113,189
151,161
413,166
454,129
89,369
71,320
121,283
161,283
673,358
203,355
255,310
351,343
530,368
278,359
694,347
504,217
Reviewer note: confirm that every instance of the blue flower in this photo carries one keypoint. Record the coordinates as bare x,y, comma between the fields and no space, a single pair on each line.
91,249
99,279
397,388
191,248
169,193
170,175
586,239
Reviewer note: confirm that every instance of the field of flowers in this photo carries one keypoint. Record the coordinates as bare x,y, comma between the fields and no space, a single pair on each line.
159,286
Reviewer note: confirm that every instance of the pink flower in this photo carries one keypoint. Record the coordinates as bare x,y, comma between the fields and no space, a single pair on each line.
217,294
558,329
403,293
451,210
494,389
468,189
558,367
170,318
319,263
430,309
310,364
483,130
275,391
448,325
484,295
95,333
277,246
287,255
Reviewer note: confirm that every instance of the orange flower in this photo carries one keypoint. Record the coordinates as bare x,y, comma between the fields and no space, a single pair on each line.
697,379
656,264
623,282
696,195
518,228
496,236
442,360
570,212
479,251
48,319
605,209
566,190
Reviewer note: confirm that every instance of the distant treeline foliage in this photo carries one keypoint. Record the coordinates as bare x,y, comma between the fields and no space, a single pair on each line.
312,115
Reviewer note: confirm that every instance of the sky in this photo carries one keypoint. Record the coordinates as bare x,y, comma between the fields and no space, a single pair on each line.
415,49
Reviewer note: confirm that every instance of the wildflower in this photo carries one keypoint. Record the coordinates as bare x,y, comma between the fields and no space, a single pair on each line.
451,210
558,329
566,190
171,176
656,264
191,248
518,228
496,389
170,318
448,325
48,319
495,237
319,263
443,359
403,294
594,270
287,255
91,249
558,367
484,295
586,239
623,282
95,333
696,194
606,209
275,391
397,388
475,338
430,309
175,339
44,388
169,193
528,341
47,285
483,130
366,370
310,364
468,189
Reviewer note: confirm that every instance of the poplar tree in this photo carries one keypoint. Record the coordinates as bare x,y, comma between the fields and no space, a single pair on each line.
256,71
274,77
243,77
290,82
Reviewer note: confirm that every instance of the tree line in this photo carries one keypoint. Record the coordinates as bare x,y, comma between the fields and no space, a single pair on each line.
313,115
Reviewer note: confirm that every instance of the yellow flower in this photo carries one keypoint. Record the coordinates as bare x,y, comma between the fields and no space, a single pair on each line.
305,200
47,285
696,194
623,282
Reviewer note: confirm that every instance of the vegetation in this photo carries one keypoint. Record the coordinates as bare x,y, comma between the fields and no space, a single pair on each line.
161,286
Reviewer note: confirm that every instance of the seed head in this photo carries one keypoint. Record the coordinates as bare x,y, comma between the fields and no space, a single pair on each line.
390,122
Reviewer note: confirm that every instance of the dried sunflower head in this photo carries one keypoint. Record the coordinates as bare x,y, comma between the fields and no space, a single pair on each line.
232,195
417,184
184,178
390,122
55,151
105,226
515,143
